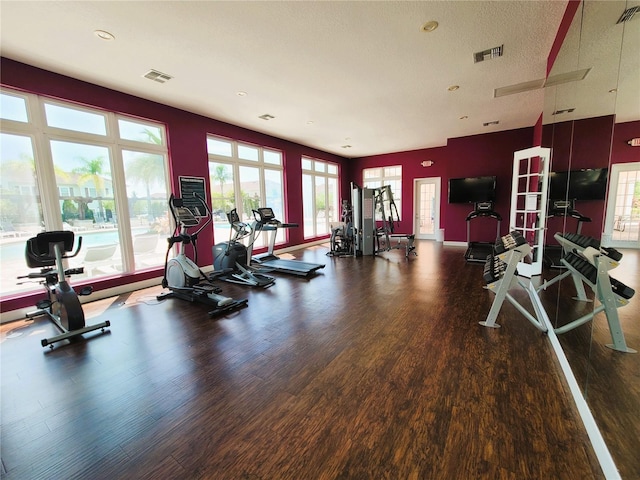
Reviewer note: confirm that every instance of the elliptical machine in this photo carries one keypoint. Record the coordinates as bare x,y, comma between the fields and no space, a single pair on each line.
62,306
232,256
182,276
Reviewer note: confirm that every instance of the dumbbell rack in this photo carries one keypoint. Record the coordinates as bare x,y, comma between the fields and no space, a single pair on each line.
501,276
589,264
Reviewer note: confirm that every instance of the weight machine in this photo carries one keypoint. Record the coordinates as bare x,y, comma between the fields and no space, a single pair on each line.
47,251
372,240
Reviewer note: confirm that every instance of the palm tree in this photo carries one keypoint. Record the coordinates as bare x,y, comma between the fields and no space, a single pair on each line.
91,172
221,175
148,168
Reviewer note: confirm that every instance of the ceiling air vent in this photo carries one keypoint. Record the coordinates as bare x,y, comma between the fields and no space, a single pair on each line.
628,14
157,76
566,110
574,76
487,124
494,52
266,116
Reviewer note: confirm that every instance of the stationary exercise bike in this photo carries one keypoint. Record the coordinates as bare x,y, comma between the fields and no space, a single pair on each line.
182,276
47,251
233,257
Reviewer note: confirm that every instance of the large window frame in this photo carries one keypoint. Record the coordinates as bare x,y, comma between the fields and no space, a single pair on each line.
389,175
109,188
320,192
231,163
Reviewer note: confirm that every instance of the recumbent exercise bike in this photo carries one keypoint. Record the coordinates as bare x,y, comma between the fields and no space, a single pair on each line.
62,306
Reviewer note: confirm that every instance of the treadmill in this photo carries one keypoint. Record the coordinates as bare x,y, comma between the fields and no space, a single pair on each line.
265,221
477,252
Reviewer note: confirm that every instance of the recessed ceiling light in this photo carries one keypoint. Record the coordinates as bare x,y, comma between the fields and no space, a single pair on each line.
310,122
430,26
613,90
346,146
241,94
453,88
104,35
266,116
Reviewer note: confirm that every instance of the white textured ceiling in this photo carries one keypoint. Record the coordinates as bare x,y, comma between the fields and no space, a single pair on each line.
331,73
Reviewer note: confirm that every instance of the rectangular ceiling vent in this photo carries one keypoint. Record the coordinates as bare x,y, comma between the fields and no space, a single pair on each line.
518,88
487,124
494,52
628,14
574,76
157,76
566,110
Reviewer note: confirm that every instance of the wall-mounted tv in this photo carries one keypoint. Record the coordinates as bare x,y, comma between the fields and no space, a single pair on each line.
586,184
472,190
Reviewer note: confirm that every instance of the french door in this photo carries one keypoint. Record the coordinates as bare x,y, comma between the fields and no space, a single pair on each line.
623,206
426,193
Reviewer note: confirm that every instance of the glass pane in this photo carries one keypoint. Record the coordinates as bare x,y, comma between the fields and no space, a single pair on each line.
272,157
332,169
85,190
250,197
13,108
319,166
275,198
307,206
372,173
148,206
248,153
307,164
76,120
20,210
140,132
321,206
219,147
223,198
334,213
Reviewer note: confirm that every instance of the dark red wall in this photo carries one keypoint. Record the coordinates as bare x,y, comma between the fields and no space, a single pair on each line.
576,145
621,151
478,155
187,146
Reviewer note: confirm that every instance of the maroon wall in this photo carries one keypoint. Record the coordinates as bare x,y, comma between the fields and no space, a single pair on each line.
186,133
621,151
478,155
577,145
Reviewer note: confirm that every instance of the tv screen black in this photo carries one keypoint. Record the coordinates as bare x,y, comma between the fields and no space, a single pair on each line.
472,190
587,184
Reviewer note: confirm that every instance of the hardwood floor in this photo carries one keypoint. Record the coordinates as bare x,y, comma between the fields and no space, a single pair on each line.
376,368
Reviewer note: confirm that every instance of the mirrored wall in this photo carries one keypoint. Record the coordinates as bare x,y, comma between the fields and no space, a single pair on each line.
593,95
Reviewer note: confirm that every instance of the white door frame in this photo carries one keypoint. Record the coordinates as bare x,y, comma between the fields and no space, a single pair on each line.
614,173
437,181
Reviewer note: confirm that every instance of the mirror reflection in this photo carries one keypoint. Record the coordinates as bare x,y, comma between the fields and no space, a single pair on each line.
594,193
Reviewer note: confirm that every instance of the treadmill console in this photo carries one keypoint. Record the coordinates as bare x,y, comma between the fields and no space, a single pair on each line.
265,215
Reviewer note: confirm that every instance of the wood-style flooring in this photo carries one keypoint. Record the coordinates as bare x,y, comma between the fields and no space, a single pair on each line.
374,369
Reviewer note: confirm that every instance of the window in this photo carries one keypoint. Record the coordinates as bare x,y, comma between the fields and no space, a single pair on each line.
392,176
319,197
97,173
244,177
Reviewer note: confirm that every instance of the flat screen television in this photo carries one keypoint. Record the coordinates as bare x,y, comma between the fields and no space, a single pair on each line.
580,185
472,190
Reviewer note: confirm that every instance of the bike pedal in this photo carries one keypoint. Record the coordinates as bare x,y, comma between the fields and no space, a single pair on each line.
43,304
85,291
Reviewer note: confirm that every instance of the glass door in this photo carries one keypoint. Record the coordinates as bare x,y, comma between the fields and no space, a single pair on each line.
623,207
427,208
